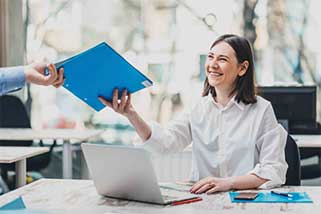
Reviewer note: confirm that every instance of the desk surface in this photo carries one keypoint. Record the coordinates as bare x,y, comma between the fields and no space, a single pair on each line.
79,196
59,134
11,154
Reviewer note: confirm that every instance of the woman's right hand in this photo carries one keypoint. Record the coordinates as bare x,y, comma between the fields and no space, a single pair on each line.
122,106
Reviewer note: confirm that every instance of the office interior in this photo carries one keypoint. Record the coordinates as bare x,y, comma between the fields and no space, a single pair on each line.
168,41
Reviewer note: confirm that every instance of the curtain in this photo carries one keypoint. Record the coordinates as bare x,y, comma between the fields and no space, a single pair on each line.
11,33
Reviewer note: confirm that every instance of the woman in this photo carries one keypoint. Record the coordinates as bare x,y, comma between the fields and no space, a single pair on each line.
237,142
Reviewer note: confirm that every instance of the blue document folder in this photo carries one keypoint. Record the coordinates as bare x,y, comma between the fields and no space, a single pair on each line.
97,72
17,206
268,197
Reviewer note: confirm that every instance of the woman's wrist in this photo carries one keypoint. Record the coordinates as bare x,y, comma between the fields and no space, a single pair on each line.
231,180
131,114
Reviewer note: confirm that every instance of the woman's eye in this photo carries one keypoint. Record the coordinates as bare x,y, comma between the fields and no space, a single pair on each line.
210,56
223,59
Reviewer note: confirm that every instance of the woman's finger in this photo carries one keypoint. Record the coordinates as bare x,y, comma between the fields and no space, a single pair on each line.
59,81
115,100
198,185
105,102
123,100
212,190
53,73
204,188
128,100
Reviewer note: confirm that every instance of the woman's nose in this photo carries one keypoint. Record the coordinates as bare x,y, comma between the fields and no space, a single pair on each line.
214,63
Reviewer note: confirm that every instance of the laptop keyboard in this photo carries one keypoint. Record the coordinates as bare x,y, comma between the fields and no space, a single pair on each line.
168,195
169,198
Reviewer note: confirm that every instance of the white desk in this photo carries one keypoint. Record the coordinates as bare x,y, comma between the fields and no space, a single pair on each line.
79,196
19,155
308,141
66,135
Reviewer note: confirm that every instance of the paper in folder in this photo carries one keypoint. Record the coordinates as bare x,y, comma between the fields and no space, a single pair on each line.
97,72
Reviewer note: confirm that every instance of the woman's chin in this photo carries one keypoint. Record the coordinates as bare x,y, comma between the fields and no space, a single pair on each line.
214,83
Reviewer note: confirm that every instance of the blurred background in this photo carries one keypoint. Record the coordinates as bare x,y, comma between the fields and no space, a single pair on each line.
167,40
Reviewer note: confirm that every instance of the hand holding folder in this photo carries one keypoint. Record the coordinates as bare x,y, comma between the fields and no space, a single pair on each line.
97,72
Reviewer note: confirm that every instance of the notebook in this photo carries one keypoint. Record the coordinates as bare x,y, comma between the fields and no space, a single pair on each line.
97,72
268,197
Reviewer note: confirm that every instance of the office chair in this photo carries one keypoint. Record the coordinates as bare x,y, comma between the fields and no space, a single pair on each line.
311,171
292,157
13,114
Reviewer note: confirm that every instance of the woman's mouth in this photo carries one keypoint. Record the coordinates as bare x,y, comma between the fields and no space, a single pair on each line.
215,74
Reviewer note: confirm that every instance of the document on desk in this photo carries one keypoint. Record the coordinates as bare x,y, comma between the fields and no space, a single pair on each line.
97,72
268,197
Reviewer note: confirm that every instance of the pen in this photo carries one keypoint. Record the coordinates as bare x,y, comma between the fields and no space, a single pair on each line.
187,201
282,194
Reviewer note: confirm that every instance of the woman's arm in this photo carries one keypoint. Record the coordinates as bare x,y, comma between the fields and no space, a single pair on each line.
142,128
125,108
212,184
174,138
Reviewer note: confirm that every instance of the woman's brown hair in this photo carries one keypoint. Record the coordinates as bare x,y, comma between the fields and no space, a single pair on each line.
245,87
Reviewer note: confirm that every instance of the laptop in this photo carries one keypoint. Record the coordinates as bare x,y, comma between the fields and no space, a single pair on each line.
127,173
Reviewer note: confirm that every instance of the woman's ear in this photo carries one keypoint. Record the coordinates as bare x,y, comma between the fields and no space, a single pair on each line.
244,67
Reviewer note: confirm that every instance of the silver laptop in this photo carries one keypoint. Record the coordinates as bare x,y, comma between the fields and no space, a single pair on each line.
126,173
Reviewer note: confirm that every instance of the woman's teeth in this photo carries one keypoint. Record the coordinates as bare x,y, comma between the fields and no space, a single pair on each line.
215,74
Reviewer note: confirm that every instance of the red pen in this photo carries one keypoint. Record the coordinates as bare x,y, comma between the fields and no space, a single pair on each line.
187,201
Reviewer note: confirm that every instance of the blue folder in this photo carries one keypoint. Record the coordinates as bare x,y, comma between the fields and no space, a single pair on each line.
268,197
14,205
97,72
17,206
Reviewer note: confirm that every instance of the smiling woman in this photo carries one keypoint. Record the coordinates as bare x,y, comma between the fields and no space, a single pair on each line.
229,67
237,142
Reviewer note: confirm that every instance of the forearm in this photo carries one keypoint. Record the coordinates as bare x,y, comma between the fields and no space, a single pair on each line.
247,182
11,79
142,128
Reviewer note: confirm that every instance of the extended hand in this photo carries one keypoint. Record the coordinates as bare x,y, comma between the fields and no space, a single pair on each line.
122,106
212,184
35,74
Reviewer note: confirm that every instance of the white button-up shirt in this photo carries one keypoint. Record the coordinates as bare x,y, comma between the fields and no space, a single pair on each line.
231,140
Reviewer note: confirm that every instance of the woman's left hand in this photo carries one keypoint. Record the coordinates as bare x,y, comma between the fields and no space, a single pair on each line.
210,185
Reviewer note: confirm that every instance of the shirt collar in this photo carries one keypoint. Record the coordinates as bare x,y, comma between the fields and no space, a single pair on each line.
233,101
240,104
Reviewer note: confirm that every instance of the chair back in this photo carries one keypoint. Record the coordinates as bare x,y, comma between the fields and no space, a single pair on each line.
292,157
13,114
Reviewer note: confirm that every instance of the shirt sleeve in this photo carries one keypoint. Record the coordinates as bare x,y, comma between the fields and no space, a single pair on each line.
11,79
174,138
271,148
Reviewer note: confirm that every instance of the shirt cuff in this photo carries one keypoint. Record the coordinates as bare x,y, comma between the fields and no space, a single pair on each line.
269,174
153,143
14,78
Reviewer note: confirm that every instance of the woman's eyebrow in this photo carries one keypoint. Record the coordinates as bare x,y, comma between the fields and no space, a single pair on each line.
221,55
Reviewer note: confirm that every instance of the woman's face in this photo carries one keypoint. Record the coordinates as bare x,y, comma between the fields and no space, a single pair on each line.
222,67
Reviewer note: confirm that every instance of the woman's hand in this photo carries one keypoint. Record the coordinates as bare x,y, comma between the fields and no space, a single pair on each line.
122,106
210,185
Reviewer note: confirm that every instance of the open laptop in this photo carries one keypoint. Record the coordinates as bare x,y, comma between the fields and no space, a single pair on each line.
127,173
